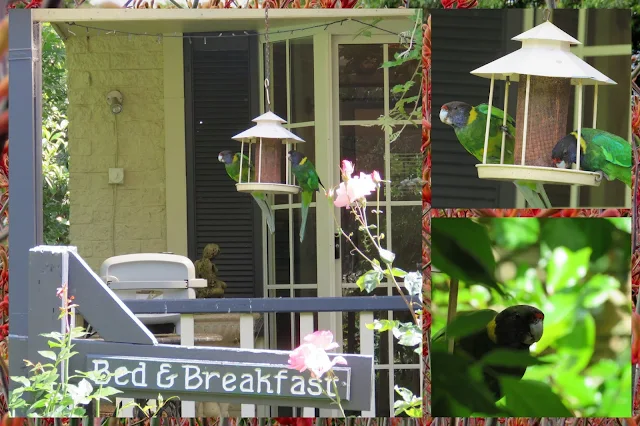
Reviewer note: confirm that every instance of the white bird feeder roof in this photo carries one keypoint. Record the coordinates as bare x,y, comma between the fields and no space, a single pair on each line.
545,52
268,125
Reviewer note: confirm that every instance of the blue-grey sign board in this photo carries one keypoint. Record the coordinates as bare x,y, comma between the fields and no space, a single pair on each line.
216,377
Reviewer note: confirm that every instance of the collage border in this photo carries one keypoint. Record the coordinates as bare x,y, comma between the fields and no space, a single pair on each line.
428,212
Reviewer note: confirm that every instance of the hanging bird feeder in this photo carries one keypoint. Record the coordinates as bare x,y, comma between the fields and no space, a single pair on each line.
545,69
270,137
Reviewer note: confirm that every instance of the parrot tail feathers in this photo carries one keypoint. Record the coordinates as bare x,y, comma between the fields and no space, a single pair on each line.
266,212
533,198
306,201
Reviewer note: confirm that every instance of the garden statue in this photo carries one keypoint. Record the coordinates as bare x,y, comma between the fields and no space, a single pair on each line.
206,269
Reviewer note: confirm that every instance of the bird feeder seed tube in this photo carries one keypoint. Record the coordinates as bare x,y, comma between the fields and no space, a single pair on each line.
526,119
579,101
504,119
486,130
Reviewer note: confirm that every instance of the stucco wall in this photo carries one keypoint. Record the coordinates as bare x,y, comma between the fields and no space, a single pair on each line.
108,220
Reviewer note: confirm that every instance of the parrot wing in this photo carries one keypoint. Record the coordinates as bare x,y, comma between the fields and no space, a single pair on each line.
614,149
497,113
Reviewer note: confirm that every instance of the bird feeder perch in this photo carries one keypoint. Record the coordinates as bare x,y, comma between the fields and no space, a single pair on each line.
269,136
545,69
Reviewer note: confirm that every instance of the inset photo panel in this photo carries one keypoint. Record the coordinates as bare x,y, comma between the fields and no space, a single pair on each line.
531,317
530,109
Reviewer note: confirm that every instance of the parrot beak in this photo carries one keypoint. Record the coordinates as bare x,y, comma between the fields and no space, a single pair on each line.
535,331
220,158
289,156
560,164
444,115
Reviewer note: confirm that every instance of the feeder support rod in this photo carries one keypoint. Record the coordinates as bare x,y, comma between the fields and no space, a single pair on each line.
486,130
267,62
287,163
504,119
260,162
241,157
595,105
579,87
526,119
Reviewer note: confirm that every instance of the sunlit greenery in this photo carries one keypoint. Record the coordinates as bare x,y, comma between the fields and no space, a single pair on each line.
577,272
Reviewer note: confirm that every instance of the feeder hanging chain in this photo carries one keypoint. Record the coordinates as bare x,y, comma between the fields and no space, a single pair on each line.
267,62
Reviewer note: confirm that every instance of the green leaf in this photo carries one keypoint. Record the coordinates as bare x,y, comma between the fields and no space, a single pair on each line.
408,334
387,256
577,347
383,325
49,355
513,233
397,272
369,281
467,323
622,223
462,249
598,289
454,392
413,283
528,398
22,380
566,268
507,358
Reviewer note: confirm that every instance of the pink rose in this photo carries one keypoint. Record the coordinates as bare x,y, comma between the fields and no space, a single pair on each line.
347,170
312,355
354,189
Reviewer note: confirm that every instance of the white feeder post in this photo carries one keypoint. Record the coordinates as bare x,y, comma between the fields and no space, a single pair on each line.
486,131
579,89
241,158
249,156
504,119
544,68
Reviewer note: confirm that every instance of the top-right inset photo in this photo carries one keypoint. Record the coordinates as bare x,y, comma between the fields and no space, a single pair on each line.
531,108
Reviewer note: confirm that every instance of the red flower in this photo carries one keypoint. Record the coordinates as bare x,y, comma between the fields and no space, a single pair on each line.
4,305
294,421
635,346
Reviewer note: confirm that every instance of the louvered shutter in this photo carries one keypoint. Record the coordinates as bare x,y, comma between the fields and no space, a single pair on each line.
221,100
463,40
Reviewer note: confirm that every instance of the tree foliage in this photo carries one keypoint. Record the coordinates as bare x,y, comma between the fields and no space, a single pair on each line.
577,272
55,158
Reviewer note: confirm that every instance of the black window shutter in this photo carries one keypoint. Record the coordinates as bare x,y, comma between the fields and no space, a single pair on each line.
221,99
463,40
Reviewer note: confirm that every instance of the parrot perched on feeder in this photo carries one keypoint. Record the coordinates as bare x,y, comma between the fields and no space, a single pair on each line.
516,328
309,181
469,124
602,152
232,166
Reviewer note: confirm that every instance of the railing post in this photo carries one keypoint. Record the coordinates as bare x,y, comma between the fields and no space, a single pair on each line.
367,348
306,327
246,342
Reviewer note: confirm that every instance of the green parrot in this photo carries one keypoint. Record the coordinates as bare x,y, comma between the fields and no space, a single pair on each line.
516,328
309,181
232,166
469,124
602,152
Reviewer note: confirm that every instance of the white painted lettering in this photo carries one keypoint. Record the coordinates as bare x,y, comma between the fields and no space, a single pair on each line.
317,387
330,386
209,375
297,388
188,377
263,379
142,372
119,374
227,380
282,374
248,381
167,382
101,367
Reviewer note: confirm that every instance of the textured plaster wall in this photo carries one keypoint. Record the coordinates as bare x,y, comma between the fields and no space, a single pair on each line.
108,220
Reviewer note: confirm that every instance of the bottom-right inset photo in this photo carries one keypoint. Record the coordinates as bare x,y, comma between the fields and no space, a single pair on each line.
531,317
